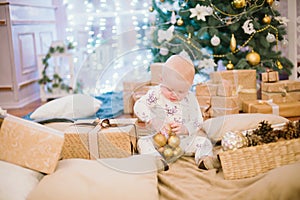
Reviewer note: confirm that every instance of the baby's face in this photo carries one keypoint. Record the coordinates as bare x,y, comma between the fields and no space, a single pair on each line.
174,88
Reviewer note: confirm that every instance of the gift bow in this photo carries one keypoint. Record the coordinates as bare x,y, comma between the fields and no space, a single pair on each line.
275,107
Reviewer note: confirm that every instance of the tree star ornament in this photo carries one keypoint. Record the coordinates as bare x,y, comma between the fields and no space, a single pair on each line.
165,35
200,12
248,27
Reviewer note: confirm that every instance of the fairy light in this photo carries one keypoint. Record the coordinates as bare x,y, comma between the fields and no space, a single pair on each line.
90,24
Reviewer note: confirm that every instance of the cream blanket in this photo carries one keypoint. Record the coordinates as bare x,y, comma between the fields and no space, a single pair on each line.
185,181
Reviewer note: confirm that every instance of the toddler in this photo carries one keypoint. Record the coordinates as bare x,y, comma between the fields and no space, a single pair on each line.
171,105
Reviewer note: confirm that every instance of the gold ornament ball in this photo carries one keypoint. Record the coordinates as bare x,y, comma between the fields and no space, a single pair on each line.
267,19
160,140
180,22
151,9
253,58
168,153
177,151
239,3
270,2
173,141
229,66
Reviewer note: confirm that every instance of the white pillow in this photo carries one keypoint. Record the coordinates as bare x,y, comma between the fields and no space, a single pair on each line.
17,182
216,127
71,106
131,178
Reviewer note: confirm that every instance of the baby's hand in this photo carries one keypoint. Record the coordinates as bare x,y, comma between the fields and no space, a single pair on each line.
178,129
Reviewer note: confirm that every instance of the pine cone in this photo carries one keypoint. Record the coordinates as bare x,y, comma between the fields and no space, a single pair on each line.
290,130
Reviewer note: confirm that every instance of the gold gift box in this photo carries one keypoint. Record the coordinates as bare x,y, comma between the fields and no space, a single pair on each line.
269,77
280,86
218,101
30,144
278,97
206,89
243,82
204,101
291,109
225,102
112,142
244,78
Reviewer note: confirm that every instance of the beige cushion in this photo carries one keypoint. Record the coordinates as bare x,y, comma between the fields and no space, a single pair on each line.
16,182
216,127
71,106
126,178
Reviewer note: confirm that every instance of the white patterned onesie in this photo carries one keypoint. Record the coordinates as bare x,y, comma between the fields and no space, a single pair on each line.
154,105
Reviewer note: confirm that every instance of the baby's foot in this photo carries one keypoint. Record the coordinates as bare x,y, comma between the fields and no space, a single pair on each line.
209,162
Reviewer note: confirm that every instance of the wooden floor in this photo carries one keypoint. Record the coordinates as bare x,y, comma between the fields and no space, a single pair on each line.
20,112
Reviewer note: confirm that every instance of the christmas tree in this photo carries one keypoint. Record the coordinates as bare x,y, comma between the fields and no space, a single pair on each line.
235,34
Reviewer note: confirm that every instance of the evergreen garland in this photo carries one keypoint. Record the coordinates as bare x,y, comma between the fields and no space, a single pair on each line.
56,81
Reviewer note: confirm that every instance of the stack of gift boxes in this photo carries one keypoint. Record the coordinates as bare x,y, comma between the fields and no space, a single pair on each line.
280,97
224,93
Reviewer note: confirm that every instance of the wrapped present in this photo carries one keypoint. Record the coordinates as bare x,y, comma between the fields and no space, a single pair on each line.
206,89
243,82
246,79
156,71
280,86
224,102
204,101
278,97
291,109
217,106
30,144
91,142
270,76
225,89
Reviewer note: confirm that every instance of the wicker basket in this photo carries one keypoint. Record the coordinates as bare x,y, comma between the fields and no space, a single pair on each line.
251,161
113,142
